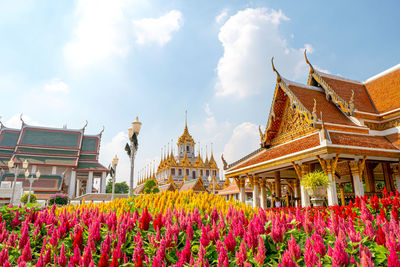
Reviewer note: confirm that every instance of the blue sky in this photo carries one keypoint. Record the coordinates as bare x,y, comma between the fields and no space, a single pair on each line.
64,62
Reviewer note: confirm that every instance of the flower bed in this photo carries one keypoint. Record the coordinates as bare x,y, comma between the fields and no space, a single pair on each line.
183,229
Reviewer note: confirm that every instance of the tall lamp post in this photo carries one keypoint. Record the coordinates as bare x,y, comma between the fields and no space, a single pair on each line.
113,173
31,180
210,179
131,149
16,171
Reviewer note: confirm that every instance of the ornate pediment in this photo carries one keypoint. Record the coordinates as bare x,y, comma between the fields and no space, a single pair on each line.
293,125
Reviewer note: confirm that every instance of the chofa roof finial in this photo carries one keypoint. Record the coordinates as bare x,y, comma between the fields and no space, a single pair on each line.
278,76
102,131
84,127
308,62
1,123
22,120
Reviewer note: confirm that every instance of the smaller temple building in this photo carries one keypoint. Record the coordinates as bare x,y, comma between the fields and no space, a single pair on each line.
184,170
66,158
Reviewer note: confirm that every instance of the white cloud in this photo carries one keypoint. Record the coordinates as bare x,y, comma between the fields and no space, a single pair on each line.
221,16
244,140
157,30
207,109
56,86
15,121
99,33
250,38
117,147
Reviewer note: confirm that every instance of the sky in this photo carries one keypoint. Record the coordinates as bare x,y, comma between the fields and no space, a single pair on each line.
65,62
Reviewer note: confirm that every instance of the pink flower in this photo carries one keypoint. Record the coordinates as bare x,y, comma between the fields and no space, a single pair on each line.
27,253
393,259
76,257
241,255
139,250
87,256
230,242
3,256
205,240
294,248
62,260
184,256
365,257
339,257
310,258
287,260
24,236
319,245
201,260
260,257
223,259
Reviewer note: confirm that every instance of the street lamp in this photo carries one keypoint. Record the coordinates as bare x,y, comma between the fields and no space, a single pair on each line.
16,171
31,180
210,179
131,149
114,167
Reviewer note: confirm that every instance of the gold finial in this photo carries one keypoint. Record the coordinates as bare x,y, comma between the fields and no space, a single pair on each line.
351,103
211,148
84,127
22,120
308,62
102,131
185,118
261,134
314,111
278,76
1,123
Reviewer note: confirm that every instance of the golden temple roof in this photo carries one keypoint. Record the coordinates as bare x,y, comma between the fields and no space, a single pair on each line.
185,138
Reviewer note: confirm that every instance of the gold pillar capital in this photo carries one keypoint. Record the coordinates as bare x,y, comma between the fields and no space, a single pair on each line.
395,169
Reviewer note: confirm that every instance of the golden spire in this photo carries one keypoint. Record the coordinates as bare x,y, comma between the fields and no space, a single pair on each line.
212,162
227,182
185,138
206,160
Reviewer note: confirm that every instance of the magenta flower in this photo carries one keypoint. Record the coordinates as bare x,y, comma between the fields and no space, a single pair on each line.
310,258
241,255
62,260
260,257
393,259
287,260
230,242
294,248
339,257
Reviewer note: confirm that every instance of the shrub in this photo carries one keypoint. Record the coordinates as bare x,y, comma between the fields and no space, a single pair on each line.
313,180
58,199
24,198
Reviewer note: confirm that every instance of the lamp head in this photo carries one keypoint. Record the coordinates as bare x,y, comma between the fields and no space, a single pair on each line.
38,174
11,163
136,125
25,164
26,174
115,161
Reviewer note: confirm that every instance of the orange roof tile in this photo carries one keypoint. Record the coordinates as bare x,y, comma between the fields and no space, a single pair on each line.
394,139
360,140
385,91
344,89
233,189
282,150
329,111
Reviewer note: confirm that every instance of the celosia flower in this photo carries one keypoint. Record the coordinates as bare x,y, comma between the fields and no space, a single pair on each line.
339,257
144,220
62,260
201,260
310,258
260,257
241,255
230,242
393,259
78,238
294,248
103,262
287,260
24,236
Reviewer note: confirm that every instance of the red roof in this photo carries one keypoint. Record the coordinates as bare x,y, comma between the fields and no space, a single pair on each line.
360,140
233,189
385,91
330,112
344,88
282,150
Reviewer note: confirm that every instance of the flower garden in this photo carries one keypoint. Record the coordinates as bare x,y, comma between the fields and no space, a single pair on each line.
187,229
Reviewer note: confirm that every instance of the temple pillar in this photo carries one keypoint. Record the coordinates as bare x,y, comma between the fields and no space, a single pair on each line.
89,184
329,167
241,184
78,188
370,182
388,177
396,175
256,192
278,192
297,191
342,198
263,191
357,178
103,182
305,198
72,185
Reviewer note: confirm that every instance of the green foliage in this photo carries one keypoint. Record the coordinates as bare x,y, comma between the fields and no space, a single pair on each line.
24,198
150,187
313,180
120,188
58,199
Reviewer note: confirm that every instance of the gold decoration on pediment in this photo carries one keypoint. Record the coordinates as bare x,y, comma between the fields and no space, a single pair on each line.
382,126
293,126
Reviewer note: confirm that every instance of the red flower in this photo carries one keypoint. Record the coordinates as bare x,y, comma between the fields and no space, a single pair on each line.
230,242
103,262
78,238
380,238
144,220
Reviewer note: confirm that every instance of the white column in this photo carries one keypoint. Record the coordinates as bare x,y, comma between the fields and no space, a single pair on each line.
103,182
72,185
296,192
331,191
263,195
89,184
78,187
305,198
256,193
54,170
358,186
242,191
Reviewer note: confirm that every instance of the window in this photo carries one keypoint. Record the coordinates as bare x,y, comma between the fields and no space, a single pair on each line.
173,171
187,148
207,173
193,174
215,173
201,172
187,172
180,172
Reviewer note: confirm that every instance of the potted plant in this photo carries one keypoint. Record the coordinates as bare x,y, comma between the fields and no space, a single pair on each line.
316,184
58,199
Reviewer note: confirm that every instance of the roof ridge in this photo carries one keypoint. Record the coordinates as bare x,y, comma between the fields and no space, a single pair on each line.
381,74
306,86
337,77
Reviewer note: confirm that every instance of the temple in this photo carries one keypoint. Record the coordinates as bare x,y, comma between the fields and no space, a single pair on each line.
66,158
346,128
185,170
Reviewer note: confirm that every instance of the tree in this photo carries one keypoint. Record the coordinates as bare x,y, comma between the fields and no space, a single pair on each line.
120,188
150,187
